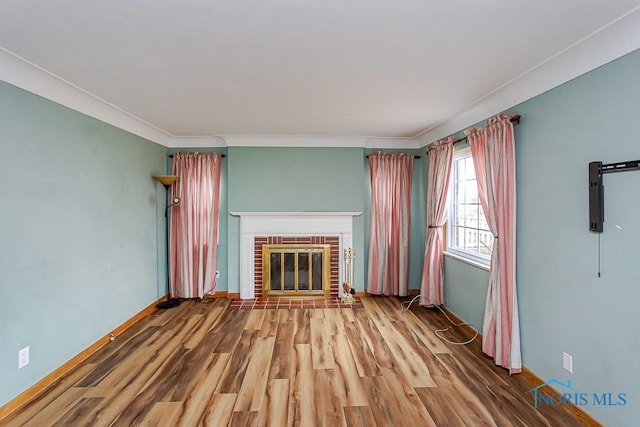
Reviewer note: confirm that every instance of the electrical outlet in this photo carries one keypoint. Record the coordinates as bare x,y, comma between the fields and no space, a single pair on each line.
567,362
217,274
23,357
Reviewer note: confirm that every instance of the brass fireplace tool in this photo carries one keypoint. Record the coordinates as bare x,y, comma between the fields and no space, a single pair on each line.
347,286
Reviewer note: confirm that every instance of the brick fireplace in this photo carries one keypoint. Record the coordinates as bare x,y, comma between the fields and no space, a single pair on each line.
260,228
335,259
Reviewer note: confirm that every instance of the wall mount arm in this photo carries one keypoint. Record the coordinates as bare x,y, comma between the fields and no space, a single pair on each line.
631,165
596,189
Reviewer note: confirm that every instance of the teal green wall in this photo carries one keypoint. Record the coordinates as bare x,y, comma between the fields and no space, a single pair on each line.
278,179
314,179
564,306
222,283
295,179
79,223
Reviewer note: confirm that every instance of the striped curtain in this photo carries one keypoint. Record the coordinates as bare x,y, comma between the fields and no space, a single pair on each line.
440,163
493,152
194,224
391,179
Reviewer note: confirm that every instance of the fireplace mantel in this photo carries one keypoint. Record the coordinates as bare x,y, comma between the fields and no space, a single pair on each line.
261,224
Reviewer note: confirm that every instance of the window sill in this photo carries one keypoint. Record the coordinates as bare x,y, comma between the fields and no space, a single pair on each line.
467,260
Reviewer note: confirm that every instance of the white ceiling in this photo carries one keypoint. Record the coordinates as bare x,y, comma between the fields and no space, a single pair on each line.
354,68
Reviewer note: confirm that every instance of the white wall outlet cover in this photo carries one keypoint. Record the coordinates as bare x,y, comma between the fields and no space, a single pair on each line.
567,362
23,357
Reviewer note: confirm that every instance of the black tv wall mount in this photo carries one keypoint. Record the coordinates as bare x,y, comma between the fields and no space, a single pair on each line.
596,189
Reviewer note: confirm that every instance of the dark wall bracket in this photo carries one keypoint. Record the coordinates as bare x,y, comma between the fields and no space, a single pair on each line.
596,189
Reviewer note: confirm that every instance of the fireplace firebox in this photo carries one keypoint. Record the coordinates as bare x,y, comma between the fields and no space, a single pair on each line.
296,270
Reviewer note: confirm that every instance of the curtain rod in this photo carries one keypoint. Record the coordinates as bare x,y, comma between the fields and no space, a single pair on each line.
514,119
415,157
221,155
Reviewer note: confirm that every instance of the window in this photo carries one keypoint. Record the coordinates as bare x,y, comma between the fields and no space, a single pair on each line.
468,233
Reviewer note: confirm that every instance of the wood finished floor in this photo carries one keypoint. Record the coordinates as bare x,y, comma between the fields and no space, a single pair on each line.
202,364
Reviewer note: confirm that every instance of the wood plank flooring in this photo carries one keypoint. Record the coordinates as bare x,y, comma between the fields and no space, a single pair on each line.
204,364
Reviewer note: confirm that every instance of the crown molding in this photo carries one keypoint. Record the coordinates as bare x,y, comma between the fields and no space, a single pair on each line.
28,76
616,39
196,142
392,143
318,141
